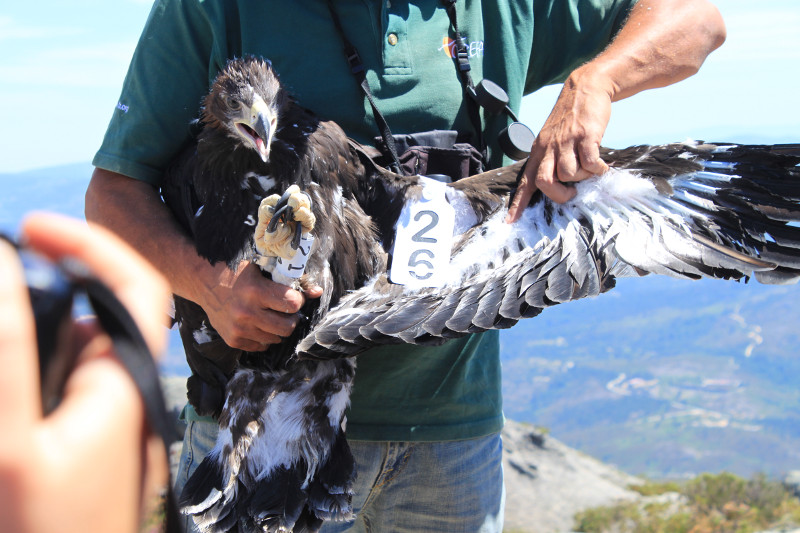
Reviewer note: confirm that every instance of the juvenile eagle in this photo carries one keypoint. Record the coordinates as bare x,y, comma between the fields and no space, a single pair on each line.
281,462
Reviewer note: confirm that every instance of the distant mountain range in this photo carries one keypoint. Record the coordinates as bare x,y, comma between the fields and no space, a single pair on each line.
661,377
61,190
57,189
666,378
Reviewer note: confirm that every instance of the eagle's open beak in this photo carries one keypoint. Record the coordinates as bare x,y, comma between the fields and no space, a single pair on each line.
258,127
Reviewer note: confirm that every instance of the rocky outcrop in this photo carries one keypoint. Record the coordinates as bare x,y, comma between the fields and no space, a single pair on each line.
548,482
792,482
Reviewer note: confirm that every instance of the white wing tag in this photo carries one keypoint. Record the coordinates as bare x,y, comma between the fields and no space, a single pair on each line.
424,239
293,268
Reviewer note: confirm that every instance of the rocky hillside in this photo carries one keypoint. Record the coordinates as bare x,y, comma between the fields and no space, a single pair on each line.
548,482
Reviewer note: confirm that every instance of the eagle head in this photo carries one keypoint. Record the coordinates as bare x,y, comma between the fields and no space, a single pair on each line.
245,102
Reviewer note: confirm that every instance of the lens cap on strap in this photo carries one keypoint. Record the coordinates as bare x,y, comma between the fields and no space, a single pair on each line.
516,141
491,96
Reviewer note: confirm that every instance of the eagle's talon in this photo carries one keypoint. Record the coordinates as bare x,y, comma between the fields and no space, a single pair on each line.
287,194
282,222
279,216
298,234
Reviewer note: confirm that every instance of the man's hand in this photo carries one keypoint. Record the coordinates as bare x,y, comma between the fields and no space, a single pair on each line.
662,42
567,148
250,311
91,463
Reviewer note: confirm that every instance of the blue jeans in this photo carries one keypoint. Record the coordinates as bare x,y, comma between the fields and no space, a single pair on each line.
435,487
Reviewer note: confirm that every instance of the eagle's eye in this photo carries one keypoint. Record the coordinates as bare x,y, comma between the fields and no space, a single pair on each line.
232,103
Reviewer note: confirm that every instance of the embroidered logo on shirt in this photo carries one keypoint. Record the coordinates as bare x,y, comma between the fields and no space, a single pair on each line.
122,107
474,48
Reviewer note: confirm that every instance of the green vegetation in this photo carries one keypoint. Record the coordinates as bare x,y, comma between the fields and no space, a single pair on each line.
630,517
656,488
710,503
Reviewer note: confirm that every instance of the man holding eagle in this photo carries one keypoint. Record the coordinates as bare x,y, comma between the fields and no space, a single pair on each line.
424,421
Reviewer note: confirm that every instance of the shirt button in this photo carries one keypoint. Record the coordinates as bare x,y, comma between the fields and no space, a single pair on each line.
392,39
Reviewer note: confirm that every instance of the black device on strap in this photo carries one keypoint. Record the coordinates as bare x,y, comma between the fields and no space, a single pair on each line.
464,68
515,140
52,288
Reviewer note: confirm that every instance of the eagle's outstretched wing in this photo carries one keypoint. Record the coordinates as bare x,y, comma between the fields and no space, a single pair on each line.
687,210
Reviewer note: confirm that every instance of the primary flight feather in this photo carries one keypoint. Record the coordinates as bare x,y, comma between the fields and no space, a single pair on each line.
281,462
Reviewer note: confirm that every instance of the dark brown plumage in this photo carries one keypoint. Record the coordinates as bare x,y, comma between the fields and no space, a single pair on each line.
215,188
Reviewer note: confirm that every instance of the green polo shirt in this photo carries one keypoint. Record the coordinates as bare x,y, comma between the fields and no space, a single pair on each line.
401,392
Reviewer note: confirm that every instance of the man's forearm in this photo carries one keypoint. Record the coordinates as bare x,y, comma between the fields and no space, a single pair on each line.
133,210
661,43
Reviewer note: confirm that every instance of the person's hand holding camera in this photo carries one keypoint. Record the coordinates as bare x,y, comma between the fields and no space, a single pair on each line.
91,464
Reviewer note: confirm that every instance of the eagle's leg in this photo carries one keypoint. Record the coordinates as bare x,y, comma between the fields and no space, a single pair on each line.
281,460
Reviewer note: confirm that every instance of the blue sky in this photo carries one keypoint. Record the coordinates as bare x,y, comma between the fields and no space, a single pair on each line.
62,64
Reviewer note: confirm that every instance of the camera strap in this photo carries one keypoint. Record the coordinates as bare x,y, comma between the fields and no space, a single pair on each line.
132,351
52,293
462,60
464,67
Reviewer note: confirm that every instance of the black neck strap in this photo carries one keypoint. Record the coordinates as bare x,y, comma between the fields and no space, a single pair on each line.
462,61
358,70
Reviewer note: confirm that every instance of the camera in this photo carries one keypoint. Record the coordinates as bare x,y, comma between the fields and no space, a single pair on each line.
52,290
